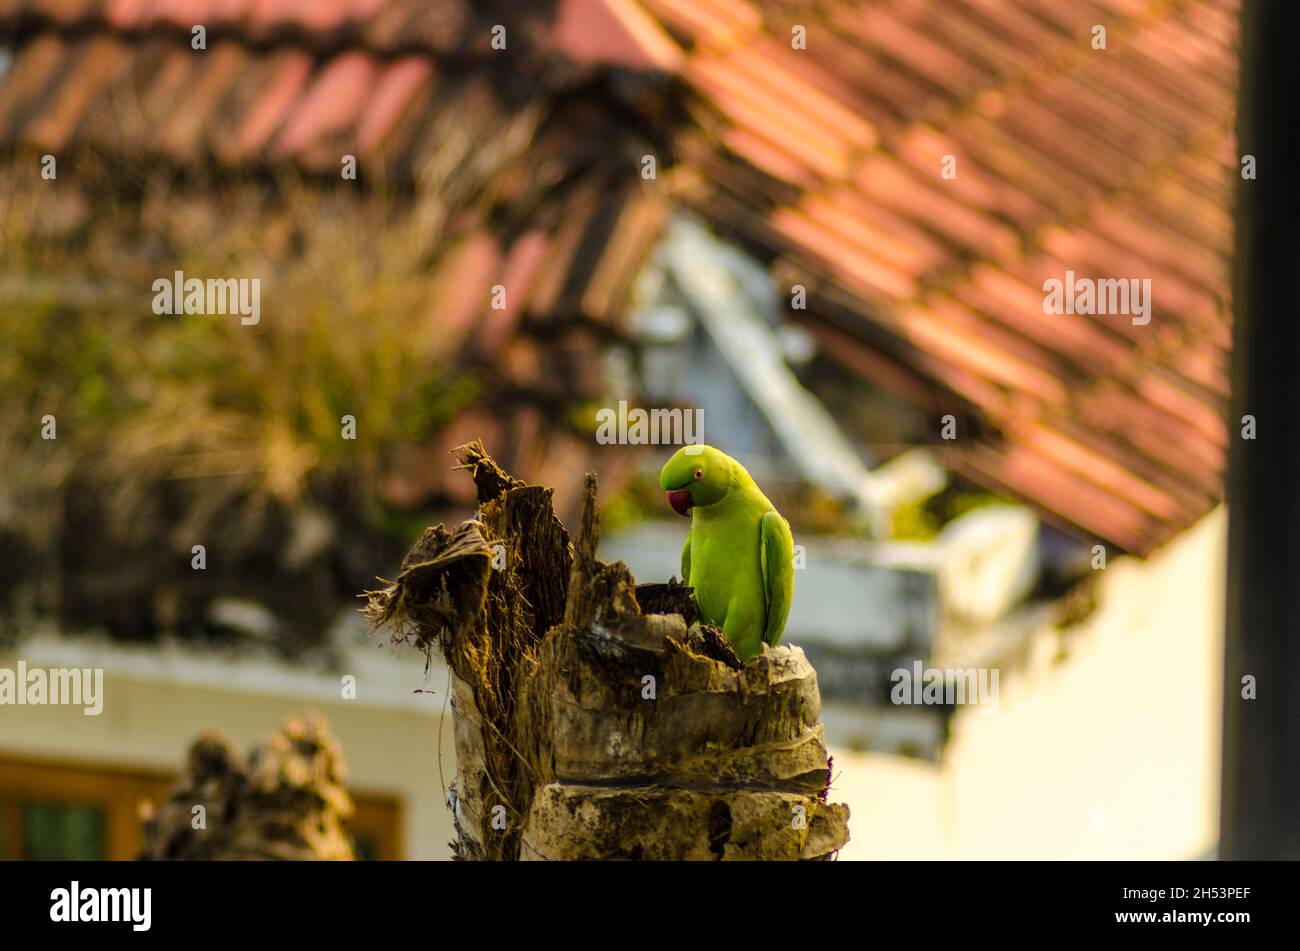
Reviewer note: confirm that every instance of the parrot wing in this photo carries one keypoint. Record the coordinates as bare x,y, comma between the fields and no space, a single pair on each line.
686,559
776,552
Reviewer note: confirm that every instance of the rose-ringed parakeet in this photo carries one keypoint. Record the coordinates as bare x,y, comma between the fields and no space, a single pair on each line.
739,554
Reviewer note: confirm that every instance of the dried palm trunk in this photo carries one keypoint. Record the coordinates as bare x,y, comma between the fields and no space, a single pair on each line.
285,801
592,718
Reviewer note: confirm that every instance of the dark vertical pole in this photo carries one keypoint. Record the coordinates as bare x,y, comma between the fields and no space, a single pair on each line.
1261,737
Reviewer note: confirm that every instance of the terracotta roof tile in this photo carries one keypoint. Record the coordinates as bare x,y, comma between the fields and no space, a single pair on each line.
828,161
30,77
599,31
126,13
96,63
461,288
1113,164
189,132
284,79
333,102
516,275
394,90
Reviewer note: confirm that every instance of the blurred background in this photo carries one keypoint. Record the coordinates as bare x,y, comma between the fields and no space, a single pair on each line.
823,227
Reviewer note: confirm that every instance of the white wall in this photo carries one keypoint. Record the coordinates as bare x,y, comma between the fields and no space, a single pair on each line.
1108,749
1108,752
157,701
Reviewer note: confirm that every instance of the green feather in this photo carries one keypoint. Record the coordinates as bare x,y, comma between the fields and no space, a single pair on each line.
739,553
778,575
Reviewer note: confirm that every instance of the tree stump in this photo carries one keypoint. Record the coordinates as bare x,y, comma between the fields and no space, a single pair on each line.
595,719
285,801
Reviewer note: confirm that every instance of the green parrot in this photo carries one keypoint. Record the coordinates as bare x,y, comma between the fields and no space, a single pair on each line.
739,553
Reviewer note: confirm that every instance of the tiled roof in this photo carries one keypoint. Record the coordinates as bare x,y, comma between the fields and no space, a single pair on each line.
1112,163
410,87
826,160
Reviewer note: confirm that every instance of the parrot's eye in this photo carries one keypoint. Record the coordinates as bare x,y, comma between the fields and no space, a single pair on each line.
699,474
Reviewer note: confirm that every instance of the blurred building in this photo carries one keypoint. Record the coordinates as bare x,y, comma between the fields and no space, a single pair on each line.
830,229
71,785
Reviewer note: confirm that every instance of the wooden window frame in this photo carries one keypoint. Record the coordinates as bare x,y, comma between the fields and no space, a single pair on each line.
118,793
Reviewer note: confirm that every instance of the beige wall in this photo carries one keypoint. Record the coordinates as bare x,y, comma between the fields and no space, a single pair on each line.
1108,750
155,706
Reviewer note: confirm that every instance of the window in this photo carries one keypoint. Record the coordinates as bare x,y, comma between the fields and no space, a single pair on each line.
51,812
56,831
376,828
58,812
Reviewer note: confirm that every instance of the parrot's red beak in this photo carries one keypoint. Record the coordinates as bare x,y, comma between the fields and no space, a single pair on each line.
680,500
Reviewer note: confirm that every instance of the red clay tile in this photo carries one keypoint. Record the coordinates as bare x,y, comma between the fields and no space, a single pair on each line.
333,102
287,80
594,32
1116,164
394,90
518,271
